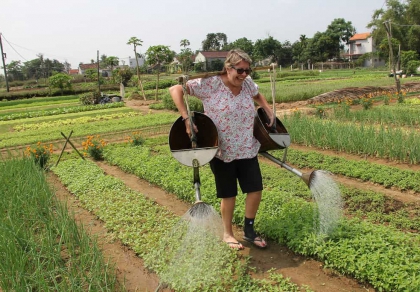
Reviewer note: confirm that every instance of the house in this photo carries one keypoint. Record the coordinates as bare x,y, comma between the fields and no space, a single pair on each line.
73,71
208,57
360,44
104,72
84,67
131,62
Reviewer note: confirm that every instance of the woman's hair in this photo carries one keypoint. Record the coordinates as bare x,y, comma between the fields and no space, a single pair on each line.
234,57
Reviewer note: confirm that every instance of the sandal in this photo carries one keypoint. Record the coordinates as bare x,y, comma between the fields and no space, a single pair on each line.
232,245
255,240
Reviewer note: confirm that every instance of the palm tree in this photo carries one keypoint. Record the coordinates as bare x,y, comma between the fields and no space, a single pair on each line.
137,42
184,43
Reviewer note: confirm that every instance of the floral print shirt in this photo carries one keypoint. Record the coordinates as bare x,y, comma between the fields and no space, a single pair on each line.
232,115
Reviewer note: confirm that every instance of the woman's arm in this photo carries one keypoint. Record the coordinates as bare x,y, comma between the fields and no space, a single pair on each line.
177,95
262,102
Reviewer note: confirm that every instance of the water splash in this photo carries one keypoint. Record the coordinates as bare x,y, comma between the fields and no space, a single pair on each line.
196,256
328,198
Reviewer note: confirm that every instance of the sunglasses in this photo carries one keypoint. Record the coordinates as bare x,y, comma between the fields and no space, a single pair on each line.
241,70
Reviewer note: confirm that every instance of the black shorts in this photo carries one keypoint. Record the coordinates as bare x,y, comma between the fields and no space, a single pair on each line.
227,175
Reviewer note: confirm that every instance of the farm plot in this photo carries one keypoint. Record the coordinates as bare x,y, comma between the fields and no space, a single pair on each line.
286,217
376,243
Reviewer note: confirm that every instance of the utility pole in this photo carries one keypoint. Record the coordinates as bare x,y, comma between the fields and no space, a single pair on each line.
99,82
391,58
4,64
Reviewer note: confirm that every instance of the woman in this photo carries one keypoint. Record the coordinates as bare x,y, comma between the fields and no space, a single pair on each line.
228,99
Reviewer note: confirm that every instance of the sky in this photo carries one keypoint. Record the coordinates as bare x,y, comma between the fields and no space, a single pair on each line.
75,30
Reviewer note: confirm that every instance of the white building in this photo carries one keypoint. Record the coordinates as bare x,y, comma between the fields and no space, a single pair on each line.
131,62
360,44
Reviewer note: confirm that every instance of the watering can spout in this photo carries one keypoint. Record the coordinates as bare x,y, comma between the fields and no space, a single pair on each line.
308,178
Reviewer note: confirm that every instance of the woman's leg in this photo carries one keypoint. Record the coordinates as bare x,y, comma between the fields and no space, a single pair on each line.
252,204
227,207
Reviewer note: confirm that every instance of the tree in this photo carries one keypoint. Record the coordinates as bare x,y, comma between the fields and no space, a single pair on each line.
337,34
185,43
214,42
286,57
102,61
34,68
111,61
67,66
157,56
406,58
298,49
92,74
244,44
14,70
124,75
268,48
185,56
395,14
61,81
137,42
323,47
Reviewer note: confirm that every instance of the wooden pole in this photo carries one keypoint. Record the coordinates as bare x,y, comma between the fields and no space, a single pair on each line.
4,65
391,57
99,81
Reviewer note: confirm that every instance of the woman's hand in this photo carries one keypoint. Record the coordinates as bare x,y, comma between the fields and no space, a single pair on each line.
272,118
188,127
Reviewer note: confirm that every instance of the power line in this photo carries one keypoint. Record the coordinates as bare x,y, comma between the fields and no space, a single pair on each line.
13,48
37,52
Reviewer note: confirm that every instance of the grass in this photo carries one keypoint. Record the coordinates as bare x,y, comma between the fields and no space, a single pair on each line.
41,246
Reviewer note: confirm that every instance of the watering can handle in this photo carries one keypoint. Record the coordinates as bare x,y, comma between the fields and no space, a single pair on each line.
193,135
273,128
189,113
273,95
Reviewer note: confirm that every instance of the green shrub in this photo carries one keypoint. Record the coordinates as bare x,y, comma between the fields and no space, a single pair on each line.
194,103
165,83
168,103
90,97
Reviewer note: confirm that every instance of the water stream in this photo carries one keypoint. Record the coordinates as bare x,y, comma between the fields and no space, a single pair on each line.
196,254
328,198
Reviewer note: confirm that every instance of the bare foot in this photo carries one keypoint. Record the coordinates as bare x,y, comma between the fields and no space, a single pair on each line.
232,242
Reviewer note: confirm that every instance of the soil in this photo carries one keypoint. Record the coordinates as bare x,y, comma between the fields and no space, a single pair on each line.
301,270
